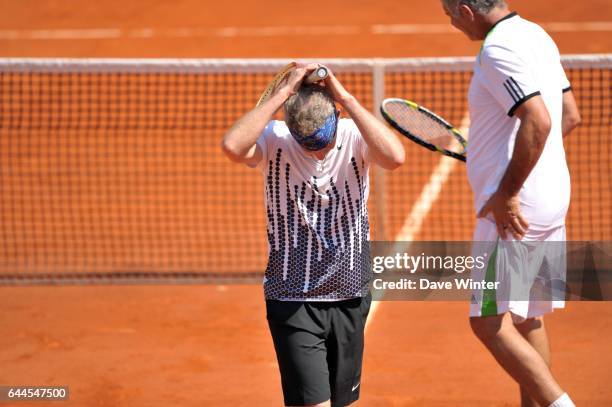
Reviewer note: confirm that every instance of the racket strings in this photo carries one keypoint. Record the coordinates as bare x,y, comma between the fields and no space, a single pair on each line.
423,126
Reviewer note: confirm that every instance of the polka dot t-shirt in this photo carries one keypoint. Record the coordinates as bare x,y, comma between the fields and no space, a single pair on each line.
317,216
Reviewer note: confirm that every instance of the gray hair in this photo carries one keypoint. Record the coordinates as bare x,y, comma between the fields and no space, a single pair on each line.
307,110
479,6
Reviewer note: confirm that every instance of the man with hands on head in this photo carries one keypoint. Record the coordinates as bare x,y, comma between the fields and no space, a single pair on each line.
315,167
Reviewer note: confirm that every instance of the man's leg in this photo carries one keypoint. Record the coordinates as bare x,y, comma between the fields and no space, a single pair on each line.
345,350
534,331
517,356
298,332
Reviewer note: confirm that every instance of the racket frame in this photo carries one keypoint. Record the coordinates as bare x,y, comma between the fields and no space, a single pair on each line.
317,75
452,130
278,78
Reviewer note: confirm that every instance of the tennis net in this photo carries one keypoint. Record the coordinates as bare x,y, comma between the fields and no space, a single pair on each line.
111,170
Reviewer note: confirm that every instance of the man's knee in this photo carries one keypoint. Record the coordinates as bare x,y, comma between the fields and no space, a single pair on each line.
487,329
530,324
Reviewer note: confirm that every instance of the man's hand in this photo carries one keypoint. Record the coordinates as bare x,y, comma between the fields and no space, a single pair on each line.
338,92
240,141
384,148
530,140
506,211
292,82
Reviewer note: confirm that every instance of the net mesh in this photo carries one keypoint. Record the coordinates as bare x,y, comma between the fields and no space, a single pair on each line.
111,170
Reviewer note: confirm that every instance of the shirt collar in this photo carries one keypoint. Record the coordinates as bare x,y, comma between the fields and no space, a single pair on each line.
513,14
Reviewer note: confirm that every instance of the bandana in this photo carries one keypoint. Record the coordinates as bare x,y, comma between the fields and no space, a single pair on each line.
320,138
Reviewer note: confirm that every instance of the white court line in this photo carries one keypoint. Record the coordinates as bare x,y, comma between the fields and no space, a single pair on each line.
431,191
429,195
399,29
422,206
84,34
578,26
269,31
286,31
395,29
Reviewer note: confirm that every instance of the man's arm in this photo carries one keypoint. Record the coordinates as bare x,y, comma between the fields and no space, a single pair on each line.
571,115
530,140
384,147
240,141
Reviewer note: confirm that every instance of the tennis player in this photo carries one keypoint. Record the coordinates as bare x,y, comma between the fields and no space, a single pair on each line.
521,105
315,169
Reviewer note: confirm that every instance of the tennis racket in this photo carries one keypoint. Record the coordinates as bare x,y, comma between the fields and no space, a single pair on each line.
317,75
424,127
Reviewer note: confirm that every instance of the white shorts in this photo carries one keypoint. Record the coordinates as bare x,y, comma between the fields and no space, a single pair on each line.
518,270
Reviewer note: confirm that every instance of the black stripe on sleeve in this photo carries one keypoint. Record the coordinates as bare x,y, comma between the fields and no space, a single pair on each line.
511,91
517,87
567,89
521,101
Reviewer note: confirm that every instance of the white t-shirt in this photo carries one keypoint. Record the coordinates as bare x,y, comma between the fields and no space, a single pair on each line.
318,229
518,60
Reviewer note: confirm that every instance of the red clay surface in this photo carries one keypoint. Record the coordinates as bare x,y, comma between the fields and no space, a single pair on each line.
62,14
209,345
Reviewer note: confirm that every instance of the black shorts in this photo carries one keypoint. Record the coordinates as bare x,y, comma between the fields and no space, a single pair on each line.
319,347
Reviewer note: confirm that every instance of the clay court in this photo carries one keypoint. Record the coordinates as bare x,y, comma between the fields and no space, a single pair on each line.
207,344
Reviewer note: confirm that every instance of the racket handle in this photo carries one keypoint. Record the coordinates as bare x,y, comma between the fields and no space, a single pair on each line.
317,75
